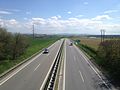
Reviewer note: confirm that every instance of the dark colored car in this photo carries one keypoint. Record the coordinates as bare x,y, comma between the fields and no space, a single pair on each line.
71,44
45,51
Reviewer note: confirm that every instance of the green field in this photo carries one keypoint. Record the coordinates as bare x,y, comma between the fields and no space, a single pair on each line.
91,42
34,46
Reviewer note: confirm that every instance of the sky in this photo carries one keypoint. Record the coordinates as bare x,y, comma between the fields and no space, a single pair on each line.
60,16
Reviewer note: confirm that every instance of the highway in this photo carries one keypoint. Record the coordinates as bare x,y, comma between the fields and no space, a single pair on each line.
79,73
31,75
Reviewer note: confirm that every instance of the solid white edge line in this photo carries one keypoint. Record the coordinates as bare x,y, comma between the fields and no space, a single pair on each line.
19,69
64,66
36,67
96,71
81,76
42,86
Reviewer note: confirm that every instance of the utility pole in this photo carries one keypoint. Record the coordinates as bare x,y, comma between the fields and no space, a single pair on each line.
33,31
102,35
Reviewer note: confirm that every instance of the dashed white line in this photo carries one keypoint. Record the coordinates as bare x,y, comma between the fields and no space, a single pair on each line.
81,76
36,67
93,68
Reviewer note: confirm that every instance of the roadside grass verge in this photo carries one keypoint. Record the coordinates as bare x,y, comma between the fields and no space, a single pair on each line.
34,46
91,42
91,52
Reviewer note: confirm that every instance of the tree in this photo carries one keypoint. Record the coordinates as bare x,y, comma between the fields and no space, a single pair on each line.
11,45
19,45
5,43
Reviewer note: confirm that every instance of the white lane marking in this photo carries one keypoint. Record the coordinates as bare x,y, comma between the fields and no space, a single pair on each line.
64,67
94,69
81,76
7,78
42,86
36,67
19,69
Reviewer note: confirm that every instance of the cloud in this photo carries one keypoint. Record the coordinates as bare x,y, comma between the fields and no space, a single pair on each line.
69,12
111,11
38,21
85,3
28,13
56,17
55,24
5,12
79,16
12,22
102,17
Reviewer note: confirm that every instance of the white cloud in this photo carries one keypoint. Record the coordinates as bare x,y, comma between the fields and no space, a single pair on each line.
69,12
13,10
55,18
57,25
12,22
79,16
38,21
110,11
28,13
102,17
5,12
85,3
59,16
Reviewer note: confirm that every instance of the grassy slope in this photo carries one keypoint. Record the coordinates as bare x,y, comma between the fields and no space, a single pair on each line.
35,46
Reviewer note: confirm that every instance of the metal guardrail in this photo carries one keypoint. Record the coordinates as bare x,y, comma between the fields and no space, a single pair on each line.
49,85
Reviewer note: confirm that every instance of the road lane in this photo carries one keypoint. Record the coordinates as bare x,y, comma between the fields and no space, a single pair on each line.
79,75
33,74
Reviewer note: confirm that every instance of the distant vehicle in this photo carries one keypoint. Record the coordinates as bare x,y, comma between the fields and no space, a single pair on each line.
71,44
45,51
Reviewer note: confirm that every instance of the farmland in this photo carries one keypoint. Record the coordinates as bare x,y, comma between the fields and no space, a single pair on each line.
91,42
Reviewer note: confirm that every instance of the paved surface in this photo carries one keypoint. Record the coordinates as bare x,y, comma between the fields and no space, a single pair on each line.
31,75
79,73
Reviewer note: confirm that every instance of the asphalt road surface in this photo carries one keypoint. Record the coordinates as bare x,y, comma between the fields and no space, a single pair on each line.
79,73
31,75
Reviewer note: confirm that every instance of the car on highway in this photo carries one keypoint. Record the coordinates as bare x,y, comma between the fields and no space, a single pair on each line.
45,51
71,44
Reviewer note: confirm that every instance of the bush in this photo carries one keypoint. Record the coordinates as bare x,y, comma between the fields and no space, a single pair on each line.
109,51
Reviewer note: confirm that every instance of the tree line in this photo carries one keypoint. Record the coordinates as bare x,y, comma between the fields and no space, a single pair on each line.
12,45
109,52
